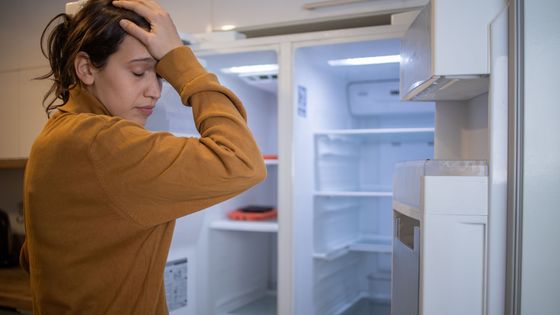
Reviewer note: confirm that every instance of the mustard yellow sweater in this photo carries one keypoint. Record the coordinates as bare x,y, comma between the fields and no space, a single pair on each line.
102,194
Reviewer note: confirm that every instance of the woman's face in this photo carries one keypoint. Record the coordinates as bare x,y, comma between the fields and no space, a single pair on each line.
128,85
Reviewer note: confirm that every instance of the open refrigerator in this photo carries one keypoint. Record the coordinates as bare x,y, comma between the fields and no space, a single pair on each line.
337,133
334,134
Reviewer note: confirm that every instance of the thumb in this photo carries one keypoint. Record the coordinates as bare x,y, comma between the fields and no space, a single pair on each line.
135,30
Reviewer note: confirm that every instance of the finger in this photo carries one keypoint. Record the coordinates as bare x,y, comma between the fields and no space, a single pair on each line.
136,6
135,30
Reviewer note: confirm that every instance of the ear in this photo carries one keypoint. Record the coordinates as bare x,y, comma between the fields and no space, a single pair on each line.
84,68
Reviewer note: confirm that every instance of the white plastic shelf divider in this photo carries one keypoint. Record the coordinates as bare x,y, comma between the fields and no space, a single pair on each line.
354,193
246,226
367,244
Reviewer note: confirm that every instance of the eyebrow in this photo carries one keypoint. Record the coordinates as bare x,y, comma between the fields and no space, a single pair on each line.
147,59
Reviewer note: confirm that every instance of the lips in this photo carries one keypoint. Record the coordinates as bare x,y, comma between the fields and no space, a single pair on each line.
146,110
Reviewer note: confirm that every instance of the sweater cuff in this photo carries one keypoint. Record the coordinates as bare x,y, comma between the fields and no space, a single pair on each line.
179,66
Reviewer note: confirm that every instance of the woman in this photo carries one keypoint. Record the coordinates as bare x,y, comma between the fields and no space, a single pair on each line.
102,193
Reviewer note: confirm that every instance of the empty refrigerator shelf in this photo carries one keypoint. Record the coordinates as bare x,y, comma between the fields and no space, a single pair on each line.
372,245
366,306
368,244
382,134
265,305
354,193
247,226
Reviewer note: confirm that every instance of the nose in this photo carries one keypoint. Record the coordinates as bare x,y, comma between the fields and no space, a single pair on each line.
153,90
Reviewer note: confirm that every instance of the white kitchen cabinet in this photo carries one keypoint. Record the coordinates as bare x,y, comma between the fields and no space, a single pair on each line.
32,20
9,36
22,115
32,116
190,16
252,14
8,115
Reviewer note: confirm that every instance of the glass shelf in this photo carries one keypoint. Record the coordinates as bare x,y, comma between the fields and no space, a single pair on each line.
378,244
353,193
366,306
382,134
265,305
247,226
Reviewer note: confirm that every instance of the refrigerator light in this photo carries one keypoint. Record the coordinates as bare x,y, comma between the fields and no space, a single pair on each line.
365,60
227,27
252,70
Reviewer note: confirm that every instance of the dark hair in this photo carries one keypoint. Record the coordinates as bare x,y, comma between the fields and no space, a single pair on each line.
94,30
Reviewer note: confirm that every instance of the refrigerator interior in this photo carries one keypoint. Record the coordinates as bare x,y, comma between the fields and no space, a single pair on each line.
232,265
350,130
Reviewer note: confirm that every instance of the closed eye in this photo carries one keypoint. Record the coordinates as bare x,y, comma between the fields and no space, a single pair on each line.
138,74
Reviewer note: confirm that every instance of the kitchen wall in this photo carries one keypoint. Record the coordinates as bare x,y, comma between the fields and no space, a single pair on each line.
11,187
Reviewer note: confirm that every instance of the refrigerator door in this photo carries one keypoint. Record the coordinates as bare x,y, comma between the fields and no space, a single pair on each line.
219,264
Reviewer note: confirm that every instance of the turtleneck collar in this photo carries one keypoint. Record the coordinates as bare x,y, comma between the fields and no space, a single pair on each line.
82,101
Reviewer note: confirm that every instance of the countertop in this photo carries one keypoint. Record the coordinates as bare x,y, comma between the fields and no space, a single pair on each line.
14,288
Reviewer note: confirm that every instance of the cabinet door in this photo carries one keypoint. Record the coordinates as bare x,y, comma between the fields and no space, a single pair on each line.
9,11
272,13
8,115
31,112
190,16
36,15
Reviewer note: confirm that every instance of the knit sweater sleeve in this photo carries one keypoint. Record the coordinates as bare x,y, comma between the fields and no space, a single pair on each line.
157,177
